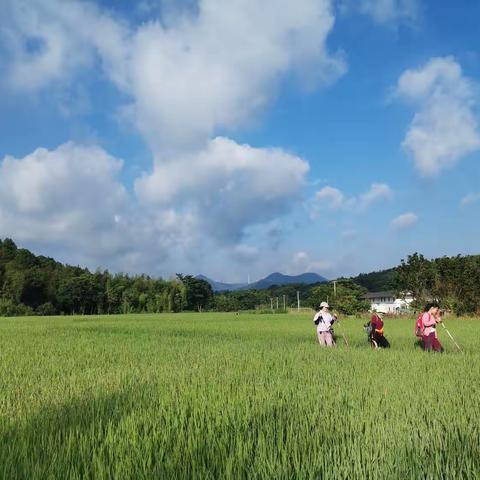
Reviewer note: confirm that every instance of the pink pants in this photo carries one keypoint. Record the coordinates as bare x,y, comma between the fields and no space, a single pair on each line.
325,339
430,342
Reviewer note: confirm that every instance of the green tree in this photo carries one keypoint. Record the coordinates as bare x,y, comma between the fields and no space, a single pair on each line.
416,275
198,293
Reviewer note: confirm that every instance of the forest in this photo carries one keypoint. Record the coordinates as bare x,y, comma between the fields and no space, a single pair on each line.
38,285
452,281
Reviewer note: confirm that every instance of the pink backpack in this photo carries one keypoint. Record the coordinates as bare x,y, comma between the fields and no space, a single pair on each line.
419,327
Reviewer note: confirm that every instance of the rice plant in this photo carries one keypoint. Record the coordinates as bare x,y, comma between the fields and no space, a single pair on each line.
233,396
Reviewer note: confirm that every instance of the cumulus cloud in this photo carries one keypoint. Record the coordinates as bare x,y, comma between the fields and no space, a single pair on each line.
216,69
302,262
470,199
243,252
404,221
378,191
227,185
384,11
445,128
197,72
213,68
48,41
44,180
70,203
64,195
220,66
71,199
330,198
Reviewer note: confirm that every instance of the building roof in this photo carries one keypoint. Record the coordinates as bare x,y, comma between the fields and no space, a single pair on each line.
371,295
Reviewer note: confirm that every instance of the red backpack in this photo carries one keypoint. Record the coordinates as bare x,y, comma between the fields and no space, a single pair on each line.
419,327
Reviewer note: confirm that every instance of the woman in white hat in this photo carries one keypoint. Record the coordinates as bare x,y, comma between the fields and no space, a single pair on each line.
323,319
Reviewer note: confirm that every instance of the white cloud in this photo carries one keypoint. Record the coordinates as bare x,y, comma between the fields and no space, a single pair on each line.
71,201
445,128
404,221
384,11
330,198
378,191
245,253
213,68
44,180
331,266
470,199
66,195
227,186
49,41
221,66
302,262
208,69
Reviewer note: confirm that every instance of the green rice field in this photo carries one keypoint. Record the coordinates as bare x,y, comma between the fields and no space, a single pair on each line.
214,396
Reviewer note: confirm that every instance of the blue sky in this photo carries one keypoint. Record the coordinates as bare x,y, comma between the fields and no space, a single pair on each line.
233,138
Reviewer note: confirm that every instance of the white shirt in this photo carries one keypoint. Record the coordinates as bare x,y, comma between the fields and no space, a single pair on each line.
326,321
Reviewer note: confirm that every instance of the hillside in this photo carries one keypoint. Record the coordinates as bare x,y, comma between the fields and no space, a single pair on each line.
280,279
220,286
31,284
276,278
380,281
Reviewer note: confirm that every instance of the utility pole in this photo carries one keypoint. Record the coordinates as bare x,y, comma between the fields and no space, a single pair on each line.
271,303
335,289
277,303
298,301
284,304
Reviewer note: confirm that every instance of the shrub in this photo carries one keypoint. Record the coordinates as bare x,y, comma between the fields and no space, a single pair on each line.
9,309
46,309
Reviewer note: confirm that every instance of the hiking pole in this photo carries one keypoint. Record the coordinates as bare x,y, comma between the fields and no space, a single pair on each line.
450,335
343,334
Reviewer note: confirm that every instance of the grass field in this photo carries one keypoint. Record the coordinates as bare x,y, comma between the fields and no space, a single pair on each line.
233,396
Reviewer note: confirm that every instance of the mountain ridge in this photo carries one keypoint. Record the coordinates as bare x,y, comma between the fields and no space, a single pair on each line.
275,278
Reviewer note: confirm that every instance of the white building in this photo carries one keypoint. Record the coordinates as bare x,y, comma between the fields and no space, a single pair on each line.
388,302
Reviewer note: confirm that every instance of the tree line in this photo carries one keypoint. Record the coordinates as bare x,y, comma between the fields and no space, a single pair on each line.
382,280
31,284
345,297
452,281
38,285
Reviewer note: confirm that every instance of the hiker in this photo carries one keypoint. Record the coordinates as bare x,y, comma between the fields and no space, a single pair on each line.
419,332
377,336
323,319
430,318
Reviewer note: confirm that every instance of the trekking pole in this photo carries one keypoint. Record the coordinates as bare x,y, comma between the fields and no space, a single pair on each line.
343,334
450,335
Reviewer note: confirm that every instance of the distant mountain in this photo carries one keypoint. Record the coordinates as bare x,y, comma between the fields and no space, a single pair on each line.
280,279
272,279
220,286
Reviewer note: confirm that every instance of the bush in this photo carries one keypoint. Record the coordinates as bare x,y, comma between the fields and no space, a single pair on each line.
46,309
9,309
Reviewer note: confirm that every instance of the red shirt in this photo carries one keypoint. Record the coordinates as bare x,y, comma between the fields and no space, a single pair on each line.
376,322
